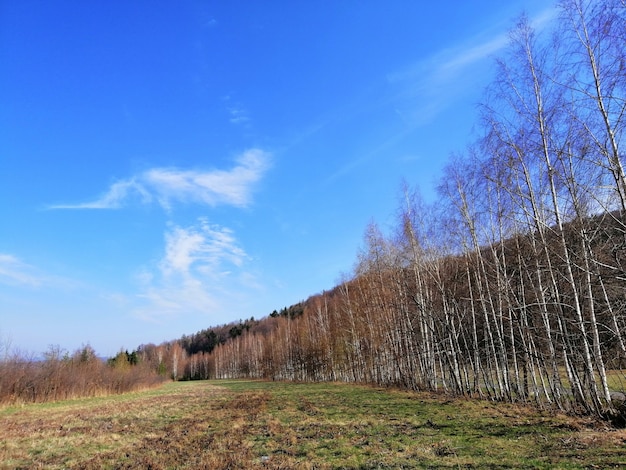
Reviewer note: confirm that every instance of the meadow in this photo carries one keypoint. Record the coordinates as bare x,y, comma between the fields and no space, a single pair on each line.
257,424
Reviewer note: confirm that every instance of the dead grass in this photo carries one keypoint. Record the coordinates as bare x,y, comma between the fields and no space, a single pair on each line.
246,424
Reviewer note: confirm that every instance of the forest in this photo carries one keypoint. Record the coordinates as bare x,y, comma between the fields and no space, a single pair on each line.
511,284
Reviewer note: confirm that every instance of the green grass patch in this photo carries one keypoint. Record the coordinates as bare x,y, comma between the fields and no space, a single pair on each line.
254,424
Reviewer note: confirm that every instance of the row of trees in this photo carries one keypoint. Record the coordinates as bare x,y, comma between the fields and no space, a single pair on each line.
190,358
512,284
60,375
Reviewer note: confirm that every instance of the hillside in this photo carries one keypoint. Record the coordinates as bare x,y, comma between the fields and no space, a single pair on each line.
510,285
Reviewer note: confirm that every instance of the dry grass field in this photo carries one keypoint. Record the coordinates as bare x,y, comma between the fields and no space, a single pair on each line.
248,424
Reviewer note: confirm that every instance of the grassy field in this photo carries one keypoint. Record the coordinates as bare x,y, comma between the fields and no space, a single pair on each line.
246,424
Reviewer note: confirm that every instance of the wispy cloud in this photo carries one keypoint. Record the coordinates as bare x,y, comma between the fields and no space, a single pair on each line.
447,64
436,81
198,264
428,87
238,115
168,185
237,112
454,63
118,194
14,272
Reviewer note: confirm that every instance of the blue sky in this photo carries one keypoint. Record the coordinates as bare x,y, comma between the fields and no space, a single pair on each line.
170,166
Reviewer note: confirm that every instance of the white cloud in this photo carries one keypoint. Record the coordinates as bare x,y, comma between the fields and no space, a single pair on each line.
429,86
238,115
454,63
437,80
168,185
13,271
200,266
119,193
16,273
204,247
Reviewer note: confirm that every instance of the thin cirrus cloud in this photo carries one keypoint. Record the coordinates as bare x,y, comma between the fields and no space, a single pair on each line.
198,264
436,80
16,273
168,185
238,115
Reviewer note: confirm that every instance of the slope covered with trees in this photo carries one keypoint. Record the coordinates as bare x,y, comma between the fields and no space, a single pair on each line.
512,284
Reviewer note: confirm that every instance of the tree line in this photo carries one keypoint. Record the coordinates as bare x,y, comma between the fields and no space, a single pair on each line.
511,285
59,375
190,357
